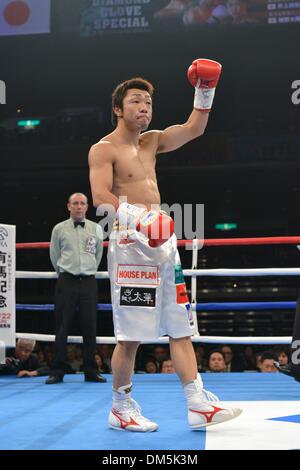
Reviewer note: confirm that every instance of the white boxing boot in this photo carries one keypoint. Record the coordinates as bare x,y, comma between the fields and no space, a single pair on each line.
204,408
125,414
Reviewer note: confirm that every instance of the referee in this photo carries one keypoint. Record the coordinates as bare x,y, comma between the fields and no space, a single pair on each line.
75,252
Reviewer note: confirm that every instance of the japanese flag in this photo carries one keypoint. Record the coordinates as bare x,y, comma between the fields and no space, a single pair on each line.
24,17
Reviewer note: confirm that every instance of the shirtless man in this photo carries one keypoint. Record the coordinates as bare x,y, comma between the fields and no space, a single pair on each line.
148,291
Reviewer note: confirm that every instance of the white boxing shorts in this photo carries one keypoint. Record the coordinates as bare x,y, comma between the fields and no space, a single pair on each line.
148,291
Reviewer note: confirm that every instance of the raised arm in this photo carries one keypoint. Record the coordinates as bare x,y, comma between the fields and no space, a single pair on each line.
101,160
203,74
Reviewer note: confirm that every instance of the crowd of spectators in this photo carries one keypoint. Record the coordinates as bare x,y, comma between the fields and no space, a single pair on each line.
219,359
31,359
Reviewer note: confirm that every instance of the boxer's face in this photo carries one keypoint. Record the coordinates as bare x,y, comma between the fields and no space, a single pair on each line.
137,109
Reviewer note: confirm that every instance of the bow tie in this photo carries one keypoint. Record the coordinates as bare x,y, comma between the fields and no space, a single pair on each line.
79,223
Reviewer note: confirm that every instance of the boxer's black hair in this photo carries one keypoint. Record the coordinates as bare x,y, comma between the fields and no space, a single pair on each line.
120,92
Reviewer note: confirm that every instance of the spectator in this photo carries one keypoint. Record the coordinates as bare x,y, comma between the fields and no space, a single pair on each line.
249,359
72,358
233,364
281,355
216,362
23,363
160,353
267,362
151,366
101,366
167,367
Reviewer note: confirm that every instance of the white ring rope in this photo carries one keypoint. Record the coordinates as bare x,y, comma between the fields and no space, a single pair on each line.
187,272
165,339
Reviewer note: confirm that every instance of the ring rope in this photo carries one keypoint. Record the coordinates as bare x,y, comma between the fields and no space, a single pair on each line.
165,339
200,307
205,242
192,273
229,272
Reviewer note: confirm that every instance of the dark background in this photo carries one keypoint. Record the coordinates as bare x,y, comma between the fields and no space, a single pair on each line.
255,184
245,169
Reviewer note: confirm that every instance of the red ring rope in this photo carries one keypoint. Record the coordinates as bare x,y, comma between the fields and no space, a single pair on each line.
207,242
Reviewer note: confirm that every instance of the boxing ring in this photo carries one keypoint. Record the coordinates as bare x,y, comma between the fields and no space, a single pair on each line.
73,414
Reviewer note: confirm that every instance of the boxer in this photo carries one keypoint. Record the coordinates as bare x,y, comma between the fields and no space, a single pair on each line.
148,291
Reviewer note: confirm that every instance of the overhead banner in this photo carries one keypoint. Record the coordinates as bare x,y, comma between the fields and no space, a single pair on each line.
126,16
7,286
113,16
24,17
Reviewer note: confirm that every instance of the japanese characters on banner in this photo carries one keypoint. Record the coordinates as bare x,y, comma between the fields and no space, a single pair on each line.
7,285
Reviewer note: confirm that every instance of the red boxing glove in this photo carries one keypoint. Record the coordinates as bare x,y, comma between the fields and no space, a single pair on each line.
157,226
204,75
